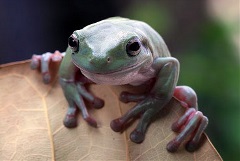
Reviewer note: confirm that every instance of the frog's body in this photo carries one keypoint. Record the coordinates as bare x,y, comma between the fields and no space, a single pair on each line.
119,51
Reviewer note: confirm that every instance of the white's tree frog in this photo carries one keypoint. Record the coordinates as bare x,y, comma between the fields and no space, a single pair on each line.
119,51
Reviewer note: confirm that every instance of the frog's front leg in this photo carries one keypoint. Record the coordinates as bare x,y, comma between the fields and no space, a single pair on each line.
75,94
167,69
73,85
192,123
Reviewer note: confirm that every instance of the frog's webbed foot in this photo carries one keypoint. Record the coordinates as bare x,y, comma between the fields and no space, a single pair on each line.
76,94
117,125
192,123
143,108
42,62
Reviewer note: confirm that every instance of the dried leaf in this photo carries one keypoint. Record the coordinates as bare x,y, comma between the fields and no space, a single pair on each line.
31,125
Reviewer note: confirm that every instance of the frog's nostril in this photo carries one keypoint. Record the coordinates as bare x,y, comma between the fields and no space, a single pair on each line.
108,59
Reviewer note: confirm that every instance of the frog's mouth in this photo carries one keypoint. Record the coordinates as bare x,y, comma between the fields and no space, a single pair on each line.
117,77
117,71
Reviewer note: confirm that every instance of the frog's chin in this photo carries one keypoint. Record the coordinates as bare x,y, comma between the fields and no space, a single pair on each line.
113,78
110,78
120,77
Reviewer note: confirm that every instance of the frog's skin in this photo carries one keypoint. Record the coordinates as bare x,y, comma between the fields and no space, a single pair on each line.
119,51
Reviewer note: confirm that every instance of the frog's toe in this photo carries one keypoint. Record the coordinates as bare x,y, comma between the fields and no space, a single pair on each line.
35,61
173,146
130,97
116,125
137,136
197,139
46,77
123,97
97,103
192,146
92,122
70,121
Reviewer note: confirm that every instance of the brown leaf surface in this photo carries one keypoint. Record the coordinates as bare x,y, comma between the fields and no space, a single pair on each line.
31,125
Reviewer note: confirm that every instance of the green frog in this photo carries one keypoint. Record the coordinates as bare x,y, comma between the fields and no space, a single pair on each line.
119,51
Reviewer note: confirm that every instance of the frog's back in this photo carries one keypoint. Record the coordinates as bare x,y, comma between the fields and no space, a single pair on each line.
154,40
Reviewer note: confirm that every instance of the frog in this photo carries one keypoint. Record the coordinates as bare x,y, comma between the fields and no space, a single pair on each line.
122,51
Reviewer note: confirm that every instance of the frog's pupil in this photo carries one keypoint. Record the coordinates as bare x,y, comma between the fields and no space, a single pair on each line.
134,46
72,42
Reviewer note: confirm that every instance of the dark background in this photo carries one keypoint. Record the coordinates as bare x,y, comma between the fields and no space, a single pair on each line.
202,43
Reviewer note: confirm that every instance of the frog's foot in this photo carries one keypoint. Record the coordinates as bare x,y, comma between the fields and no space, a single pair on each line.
192,123
148,110
43,61
70,120
76,95
117,125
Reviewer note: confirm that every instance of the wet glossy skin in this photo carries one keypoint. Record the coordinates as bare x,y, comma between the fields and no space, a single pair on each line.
120,51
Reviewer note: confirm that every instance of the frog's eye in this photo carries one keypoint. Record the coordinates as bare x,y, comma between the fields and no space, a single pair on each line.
133,47
73,42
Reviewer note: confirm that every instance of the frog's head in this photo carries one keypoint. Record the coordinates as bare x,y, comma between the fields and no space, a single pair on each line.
109,54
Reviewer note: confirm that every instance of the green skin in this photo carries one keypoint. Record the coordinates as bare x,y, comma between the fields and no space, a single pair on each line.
119,51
